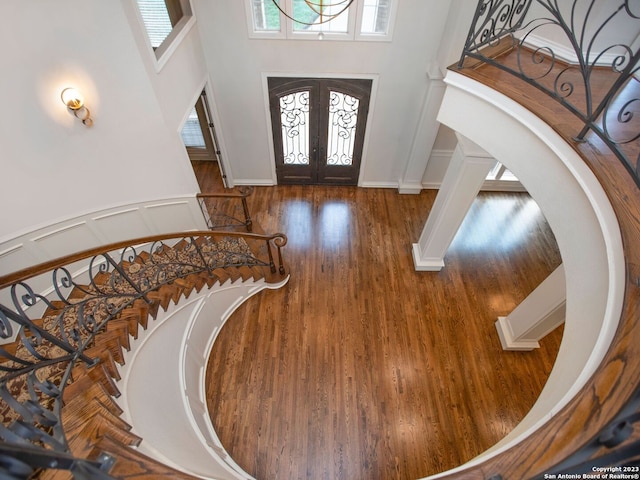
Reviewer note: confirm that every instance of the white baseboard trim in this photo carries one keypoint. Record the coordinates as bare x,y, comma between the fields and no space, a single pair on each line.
254,182
378,185
431,185
487,186
409,188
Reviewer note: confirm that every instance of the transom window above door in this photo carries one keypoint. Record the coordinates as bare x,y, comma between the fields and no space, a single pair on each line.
362,20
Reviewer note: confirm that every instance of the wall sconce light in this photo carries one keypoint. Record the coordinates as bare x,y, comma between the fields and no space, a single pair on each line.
75,103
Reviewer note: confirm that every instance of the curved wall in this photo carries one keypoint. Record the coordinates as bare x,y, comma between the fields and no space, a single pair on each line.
581,218
178,344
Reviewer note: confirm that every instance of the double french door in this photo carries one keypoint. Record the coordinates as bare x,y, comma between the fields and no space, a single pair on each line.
318,129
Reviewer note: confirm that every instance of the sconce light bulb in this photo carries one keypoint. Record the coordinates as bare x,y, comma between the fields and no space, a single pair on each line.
72,98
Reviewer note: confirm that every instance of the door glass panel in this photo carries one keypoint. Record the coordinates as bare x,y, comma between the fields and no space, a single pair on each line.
294,117
343,117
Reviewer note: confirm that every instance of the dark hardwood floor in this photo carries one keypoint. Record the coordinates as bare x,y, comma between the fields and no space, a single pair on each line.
363,368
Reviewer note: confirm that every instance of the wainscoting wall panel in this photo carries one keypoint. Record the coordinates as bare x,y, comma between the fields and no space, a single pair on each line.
99,228
131,221
91,230
54,243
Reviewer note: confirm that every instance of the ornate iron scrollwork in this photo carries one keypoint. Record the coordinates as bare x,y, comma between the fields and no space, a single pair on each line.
590,41
343,119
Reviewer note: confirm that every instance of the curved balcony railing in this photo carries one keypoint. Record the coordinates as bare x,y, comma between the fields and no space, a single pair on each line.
590,70
52,315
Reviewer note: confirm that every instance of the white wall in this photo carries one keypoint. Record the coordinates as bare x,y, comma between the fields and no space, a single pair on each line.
53,167
439,159
238,63
455,33
100,227
588,18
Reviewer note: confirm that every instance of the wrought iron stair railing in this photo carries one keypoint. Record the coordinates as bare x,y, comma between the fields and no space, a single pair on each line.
71,334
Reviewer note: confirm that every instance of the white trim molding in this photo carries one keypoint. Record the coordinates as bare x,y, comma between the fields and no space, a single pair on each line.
577,208
92,229
178,343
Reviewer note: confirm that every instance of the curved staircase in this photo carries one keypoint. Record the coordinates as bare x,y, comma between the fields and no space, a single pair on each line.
69,338
60,372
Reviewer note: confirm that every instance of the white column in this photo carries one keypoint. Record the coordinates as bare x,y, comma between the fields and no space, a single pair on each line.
537,315
411,181
465,175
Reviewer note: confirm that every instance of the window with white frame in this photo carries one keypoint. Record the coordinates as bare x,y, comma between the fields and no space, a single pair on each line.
159,17
363,20
164,21
500,172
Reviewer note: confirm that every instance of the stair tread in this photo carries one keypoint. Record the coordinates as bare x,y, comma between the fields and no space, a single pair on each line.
82,441
80,393
97,373
110,342
135,465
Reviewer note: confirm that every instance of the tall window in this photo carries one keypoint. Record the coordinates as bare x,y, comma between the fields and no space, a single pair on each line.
500,178
165,21
364,20
159,17
500,172
191,132
265,16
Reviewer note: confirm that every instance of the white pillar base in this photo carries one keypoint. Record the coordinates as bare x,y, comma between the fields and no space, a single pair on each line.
426,264
409,188
507,340
540,313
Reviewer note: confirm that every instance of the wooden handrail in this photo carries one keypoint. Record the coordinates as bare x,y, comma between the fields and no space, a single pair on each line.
279,239
242,193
